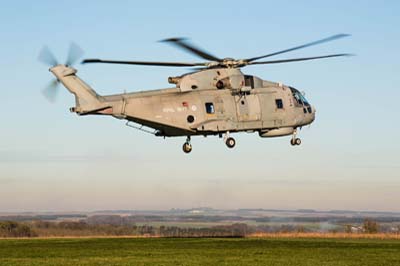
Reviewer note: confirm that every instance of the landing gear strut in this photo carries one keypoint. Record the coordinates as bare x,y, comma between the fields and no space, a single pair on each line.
295,141
187,147
229,141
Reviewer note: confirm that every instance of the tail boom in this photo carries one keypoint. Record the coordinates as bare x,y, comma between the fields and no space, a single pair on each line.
86,99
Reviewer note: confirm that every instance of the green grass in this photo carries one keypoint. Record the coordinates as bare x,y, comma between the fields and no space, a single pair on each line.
201,251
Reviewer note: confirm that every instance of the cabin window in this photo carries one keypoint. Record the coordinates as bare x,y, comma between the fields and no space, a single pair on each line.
190,119
210,108
279,103
249,81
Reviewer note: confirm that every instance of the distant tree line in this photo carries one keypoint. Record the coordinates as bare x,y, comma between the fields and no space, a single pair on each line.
115,225
15,229
81,228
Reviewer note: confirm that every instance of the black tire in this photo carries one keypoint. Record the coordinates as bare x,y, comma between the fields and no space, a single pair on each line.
297,141
293,142
230,142
187,147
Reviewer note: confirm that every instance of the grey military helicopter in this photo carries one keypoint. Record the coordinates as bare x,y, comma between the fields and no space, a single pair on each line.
215,99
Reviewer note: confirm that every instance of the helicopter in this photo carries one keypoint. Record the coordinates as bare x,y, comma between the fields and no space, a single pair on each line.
217,98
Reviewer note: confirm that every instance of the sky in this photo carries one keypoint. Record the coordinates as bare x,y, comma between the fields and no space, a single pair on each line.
53,160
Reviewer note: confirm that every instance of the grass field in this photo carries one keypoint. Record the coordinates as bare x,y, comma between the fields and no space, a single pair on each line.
200,251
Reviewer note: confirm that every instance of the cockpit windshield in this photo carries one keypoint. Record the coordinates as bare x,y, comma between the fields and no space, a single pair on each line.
299,97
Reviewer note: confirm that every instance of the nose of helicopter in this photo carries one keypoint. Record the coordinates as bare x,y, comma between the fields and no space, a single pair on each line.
313,111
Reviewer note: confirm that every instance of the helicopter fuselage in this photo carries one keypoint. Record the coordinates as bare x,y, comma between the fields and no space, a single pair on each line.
241,103
207,102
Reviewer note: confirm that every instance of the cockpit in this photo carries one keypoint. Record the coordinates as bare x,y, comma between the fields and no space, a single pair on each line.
299,97
301,101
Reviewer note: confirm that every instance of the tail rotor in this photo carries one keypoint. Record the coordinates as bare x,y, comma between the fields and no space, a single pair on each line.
47,57
51,91
74,53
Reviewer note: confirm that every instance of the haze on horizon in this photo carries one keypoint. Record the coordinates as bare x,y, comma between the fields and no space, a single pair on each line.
51,159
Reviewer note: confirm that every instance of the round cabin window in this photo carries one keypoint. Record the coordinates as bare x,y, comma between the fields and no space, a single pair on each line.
190,118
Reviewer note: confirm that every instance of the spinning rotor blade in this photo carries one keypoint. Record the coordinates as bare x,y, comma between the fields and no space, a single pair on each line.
180,42
47,57
51,91
297,59
331,38
143,63
74,53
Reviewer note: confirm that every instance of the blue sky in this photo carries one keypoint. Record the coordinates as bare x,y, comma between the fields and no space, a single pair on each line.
51,159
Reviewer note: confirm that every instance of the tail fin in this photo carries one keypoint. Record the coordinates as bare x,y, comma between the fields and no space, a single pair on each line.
86,99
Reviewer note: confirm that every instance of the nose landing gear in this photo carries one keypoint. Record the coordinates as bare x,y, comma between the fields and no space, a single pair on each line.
295,141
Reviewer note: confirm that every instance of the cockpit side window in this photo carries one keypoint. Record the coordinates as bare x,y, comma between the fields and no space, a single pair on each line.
299,97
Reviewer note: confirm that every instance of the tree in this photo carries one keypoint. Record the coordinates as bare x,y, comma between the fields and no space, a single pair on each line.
370,226
15,229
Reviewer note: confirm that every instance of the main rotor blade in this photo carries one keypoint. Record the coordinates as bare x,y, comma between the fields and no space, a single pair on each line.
143,63
180,42
47,57
331,38
297,59
51,91
74,53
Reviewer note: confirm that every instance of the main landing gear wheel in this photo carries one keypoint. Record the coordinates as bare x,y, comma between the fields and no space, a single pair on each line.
295,141
230,142
187,147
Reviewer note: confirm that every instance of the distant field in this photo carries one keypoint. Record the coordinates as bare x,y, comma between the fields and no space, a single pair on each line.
199,251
